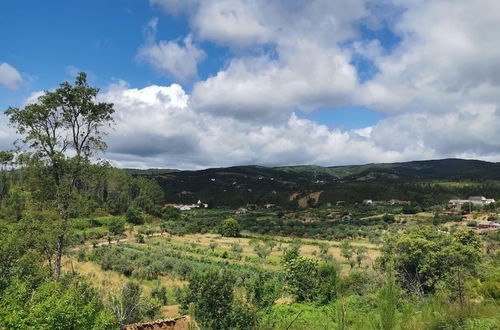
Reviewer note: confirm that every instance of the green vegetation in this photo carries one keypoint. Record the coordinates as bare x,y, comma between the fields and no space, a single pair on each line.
83,245
230,228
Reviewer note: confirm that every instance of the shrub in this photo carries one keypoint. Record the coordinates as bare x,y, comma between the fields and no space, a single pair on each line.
230,228
117,226
134,216
139,238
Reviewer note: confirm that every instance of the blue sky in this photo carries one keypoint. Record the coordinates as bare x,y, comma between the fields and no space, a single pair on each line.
360,80
52,40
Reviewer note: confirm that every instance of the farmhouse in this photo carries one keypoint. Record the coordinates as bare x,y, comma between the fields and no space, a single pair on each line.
178,323
487,226
474,200
188,207
390,202
241,210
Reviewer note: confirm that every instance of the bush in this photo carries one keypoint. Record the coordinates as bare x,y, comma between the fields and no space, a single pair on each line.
69,303
117,226
230,228
139,238
160,293
134,216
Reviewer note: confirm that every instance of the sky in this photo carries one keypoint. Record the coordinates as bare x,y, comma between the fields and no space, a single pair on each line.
212,83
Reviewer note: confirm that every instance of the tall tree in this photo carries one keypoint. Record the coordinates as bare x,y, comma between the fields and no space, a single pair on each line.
63,130
6,158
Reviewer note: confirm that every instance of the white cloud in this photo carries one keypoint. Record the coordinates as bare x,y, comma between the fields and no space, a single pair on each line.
230,22
305,77
450,55
239,23
439,86
157,128
9,76
171,57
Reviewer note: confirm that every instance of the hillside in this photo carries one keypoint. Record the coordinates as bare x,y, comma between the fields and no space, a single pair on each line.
420,181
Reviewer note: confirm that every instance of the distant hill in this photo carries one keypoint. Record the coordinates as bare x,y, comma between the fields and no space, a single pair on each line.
419,181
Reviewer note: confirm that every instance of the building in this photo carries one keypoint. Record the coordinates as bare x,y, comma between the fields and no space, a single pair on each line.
399,202
487,226
241,210
178,323
188,207
474,200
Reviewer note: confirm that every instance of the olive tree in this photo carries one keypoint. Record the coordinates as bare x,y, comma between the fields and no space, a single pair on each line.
62,131
230,228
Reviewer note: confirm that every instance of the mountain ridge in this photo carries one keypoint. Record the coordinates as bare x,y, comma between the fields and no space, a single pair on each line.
422,181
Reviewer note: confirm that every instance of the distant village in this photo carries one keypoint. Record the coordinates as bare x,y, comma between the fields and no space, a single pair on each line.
454,207
188,207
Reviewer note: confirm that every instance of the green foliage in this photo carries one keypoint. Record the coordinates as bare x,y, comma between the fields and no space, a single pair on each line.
212,246
62,130
160,293
68,304
230,228
130,307
388,300
346,250
171,213
263,289
426,256
211,293
134,216
262,251
139,238
301,275
236,248
117,226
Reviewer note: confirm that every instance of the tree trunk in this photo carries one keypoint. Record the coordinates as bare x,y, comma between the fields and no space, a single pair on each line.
460,289
57,262
60,240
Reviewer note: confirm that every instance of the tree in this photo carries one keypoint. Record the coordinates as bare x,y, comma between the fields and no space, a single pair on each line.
6,158
346,250
62,131
68,304
117,226
301,274
212,246
425,257
230,228
171,213
271,244
262,289
261,251
211,293
360,254
129,307
134,216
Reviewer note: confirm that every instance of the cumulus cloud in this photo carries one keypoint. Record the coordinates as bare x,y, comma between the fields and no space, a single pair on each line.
447,57
305,77
300,64
173,58
156,127
239,23
438,86
9,76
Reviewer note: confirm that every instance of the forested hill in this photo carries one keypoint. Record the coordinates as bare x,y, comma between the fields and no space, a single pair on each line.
420,181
